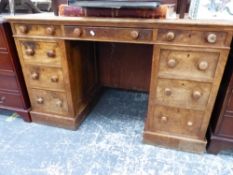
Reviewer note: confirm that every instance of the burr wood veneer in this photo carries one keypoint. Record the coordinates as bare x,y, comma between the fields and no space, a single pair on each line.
188,60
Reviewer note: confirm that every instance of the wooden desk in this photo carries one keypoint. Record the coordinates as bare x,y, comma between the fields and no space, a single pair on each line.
188,60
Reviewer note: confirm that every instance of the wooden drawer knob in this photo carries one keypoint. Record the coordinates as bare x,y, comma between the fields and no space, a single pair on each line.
77,32
2,99
50,30
35,76
170,36
164,119
134,34
203,65
59,103
92,33
168,91
196,95
54,79
212,38
171,63
189,123
51,53
40,100
30,52
23,29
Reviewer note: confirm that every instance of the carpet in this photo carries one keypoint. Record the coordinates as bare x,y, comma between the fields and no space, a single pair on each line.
108,142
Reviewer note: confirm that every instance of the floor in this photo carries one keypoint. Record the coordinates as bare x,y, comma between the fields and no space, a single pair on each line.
107,143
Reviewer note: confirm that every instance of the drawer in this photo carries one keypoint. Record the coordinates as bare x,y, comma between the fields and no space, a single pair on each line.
3,43
226,128
109,33
229,106
41,52
206,38
37,30
5,61
186,64
8,82
11,100
183,94
177,121
49,101
44,77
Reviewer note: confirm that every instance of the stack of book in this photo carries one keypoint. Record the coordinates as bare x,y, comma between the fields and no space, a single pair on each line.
117,8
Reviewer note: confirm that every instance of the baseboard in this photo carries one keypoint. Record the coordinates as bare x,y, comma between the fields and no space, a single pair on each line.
174,142
217,143
24,113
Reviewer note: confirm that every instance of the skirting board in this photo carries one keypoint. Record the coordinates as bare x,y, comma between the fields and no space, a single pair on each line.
179,143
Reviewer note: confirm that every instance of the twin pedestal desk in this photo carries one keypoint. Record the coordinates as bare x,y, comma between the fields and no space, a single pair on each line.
63,76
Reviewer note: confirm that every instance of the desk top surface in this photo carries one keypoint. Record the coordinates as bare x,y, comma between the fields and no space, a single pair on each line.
49,17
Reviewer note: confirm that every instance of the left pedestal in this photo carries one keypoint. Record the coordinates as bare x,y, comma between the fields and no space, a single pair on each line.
59,74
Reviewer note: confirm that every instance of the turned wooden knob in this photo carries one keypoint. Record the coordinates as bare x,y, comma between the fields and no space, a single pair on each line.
40,100
2,99
59,103
134,34
189,123
168,91
196,95
30,51
164,119
35,76
23,29
212,38
171,63
92,33
54,79
50,30
77,32
51,53
203,65
170,36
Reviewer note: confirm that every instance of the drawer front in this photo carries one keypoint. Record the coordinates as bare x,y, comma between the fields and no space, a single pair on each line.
49,101
44,77
37,30
229,107
2,39
177,121
192,37
184,94
8,82
226,128
11,100
106,33
41,52
5,61
188,64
